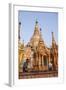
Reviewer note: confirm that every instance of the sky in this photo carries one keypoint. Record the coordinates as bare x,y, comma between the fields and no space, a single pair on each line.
47,21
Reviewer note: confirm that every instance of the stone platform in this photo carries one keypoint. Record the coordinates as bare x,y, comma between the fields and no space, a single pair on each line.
41,74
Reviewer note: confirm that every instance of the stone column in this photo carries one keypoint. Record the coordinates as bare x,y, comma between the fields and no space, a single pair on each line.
36,61
42,63
49,57
31,61
39,62
55,62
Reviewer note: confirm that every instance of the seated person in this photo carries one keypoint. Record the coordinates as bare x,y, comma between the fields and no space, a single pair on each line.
25,66
50,66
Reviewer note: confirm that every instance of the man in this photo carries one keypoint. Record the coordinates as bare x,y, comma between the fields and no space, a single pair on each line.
50,66
25,66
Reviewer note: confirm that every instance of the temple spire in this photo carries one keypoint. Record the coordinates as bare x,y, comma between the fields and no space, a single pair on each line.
41,35
36,21
19,31
53,36
36,30
53,40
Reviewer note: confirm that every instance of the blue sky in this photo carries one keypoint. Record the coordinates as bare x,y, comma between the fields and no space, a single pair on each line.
48,22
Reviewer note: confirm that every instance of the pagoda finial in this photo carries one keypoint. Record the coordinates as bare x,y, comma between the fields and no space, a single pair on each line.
41,35
36,30
19,30
40,29
53,36
53,40
19,23
36,21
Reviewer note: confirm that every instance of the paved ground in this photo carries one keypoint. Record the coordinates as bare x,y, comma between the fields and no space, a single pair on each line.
37,74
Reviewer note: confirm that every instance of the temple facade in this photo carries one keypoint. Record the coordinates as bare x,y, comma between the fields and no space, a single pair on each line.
39,56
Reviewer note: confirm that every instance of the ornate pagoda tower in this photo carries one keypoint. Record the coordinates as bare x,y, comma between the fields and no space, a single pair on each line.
54,53
20,46
38,52
35,37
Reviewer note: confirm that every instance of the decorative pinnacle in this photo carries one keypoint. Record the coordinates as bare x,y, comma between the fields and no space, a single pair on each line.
52,32
36,21
19,23
19,30
53,37
40,29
